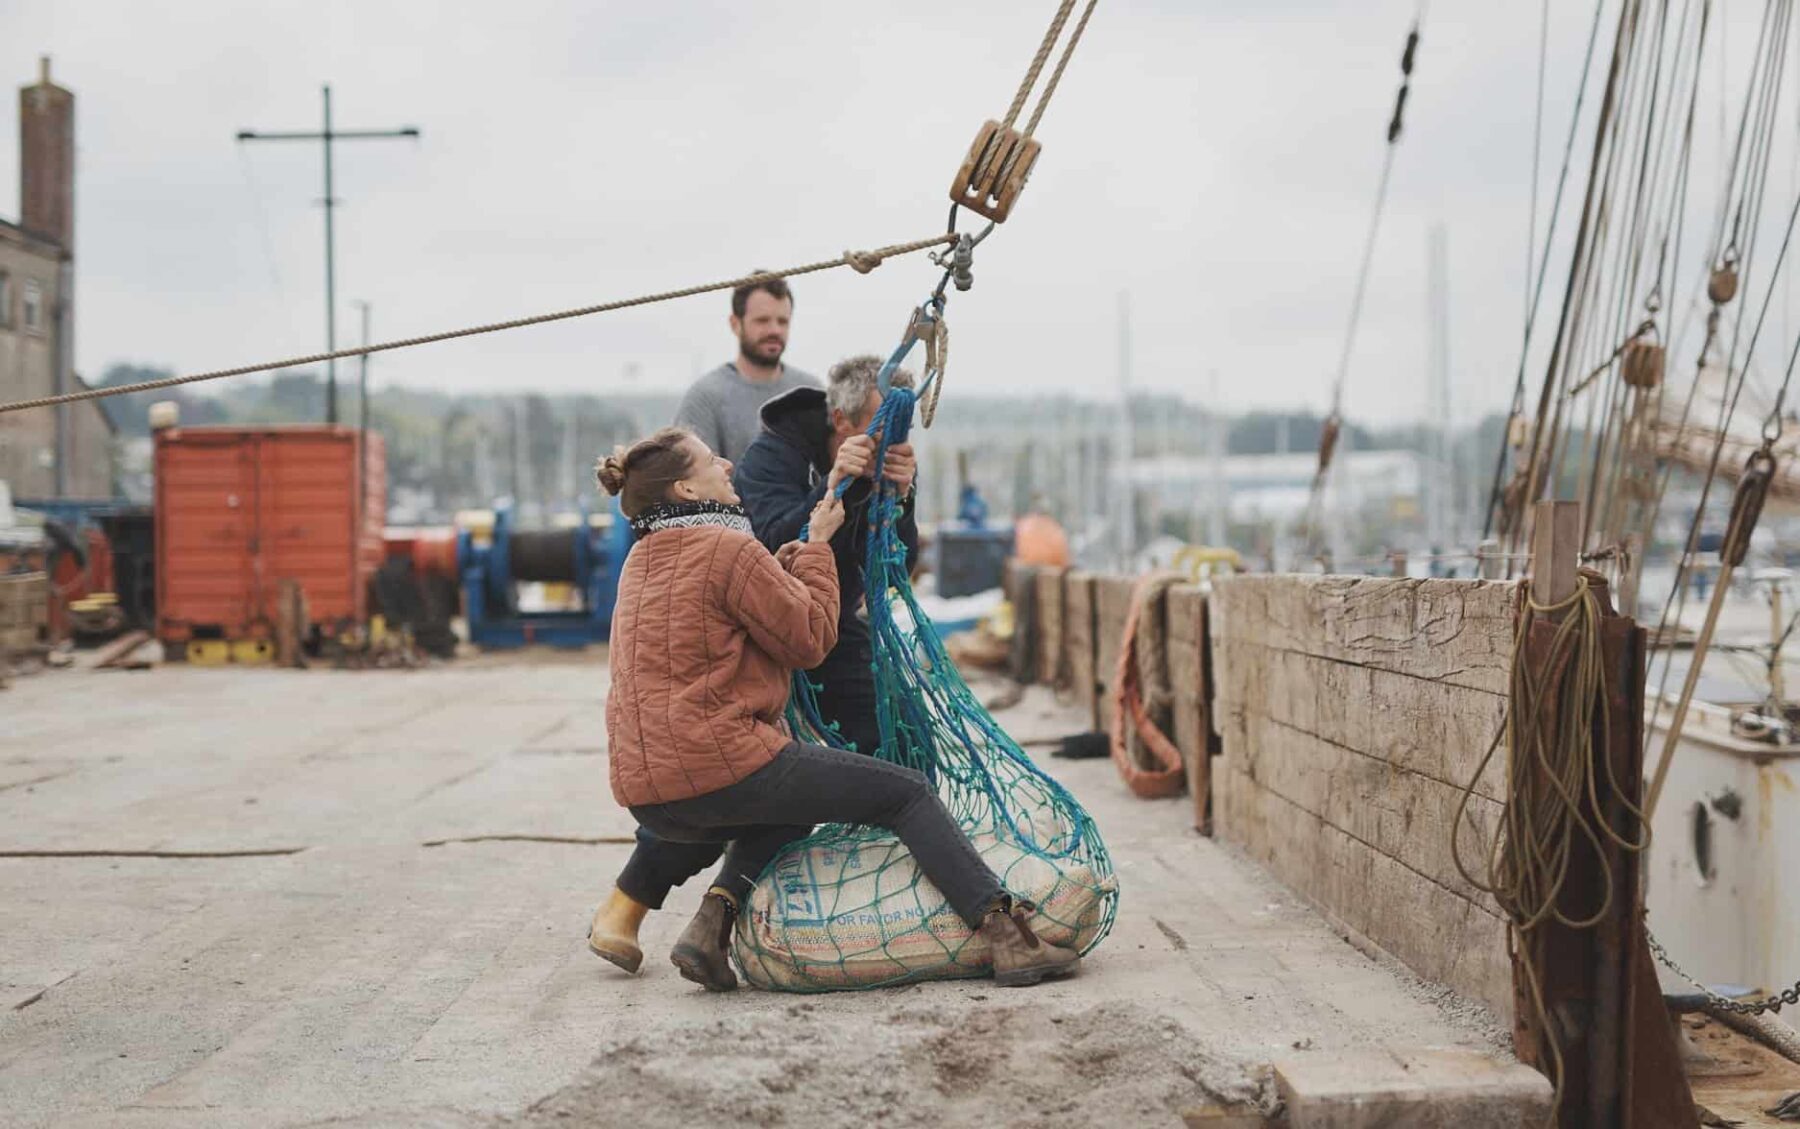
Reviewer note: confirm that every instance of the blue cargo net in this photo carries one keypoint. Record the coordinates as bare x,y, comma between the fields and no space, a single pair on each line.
847,906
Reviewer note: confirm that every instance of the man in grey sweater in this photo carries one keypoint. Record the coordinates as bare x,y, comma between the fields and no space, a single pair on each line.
723,406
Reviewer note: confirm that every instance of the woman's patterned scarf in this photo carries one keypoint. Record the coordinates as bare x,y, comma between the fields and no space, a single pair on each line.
686,515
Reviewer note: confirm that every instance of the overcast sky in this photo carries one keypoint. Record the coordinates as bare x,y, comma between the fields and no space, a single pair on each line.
1216,159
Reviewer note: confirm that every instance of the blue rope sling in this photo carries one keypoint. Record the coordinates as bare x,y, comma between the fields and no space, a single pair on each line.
846,907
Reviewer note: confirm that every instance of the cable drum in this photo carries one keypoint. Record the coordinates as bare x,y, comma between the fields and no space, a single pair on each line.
544,555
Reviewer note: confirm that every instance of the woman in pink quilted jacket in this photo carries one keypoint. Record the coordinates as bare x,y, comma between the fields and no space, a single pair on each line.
707,630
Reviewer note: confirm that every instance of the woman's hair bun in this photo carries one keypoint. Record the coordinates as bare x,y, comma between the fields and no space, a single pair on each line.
610,471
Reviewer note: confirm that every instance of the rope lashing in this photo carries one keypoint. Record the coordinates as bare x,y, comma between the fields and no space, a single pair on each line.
857,260
862,262
999,161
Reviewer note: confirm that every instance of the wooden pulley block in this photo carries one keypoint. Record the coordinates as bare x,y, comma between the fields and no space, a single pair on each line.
1517,432
1642,363
1722,287
994,172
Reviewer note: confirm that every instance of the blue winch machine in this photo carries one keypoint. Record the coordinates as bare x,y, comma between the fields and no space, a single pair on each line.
587,557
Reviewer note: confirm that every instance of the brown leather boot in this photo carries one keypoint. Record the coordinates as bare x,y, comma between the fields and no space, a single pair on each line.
702,952
1021,957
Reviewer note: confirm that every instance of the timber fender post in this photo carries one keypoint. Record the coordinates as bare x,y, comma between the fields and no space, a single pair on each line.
1588,1007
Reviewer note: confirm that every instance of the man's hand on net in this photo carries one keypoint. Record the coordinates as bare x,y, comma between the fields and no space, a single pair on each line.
855,459
901,466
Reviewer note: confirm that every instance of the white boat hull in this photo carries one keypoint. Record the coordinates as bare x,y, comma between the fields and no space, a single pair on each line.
1723,880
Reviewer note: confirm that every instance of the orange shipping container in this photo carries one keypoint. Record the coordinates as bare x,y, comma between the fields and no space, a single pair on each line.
240,509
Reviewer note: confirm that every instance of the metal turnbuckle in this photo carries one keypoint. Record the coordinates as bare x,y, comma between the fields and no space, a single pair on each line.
995,171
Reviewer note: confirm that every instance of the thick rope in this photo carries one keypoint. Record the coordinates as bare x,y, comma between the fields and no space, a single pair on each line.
861,261
1167,775
1061,65
1553,791
1037,64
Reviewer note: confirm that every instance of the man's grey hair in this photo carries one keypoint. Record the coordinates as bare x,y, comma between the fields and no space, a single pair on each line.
850,381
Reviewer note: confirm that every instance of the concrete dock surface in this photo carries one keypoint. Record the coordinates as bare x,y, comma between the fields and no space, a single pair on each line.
282,898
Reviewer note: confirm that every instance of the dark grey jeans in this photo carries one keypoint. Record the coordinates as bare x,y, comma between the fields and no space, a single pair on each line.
846,697
807,784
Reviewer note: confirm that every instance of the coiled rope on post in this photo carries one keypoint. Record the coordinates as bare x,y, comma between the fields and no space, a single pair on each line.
1554,775
861,261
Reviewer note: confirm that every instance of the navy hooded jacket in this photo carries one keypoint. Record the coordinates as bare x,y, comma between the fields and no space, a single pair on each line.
782,477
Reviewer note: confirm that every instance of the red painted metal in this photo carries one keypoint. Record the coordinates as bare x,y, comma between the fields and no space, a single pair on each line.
71,581
431,549
240,509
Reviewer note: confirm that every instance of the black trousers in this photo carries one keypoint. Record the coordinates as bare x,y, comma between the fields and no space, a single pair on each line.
848,698
808,784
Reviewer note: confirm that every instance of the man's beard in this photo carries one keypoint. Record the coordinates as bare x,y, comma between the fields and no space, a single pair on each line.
763,354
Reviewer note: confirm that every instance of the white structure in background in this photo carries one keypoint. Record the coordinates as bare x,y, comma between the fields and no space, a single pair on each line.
1264,488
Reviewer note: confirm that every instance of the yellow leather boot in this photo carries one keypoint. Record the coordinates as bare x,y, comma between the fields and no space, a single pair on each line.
614,933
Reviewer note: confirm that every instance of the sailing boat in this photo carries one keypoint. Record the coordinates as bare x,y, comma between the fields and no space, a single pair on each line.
1727,826
1610,430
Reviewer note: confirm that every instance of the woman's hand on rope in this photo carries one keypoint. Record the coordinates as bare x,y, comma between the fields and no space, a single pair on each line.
827,518
855,459
785,555
901,466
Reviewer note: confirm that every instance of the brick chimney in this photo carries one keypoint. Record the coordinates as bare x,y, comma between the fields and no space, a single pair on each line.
47,159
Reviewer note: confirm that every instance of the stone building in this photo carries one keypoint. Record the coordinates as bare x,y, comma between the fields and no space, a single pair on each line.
63,452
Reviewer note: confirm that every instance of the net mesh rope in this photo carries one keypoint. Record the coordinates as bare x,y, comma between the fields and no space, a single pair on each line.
847,907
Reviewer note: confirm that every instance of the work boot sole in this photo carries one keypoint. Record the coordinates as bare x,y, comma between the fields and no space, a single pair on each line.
628,957
1026,977
694,966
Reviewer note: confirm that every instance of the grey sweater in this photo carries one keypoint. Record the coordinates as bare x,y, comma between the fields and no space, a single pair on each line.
723,408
